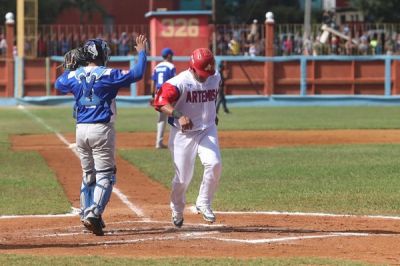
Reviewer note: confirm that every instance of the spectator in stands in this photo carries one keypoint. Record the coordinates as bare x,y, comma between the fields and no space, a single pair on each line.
349,47
317,46
253,32
287,45
253,49
234,47
53,45
389,45
123,44
297,44
132,43
307,46
64,43
3,45
113,42
41,46
363,47
75,40
374,43
334,45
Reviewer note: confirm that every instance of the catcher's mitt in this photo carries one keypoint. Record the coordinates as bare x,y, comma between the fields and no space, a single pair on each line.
74,59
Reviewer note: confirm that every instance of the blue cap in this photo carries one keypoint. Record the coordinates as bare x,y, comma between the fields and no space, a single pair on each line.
166,51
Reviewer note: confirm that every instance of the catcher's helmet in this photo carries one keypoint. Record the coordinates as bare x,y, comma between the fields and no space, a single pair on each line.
202,62
97,49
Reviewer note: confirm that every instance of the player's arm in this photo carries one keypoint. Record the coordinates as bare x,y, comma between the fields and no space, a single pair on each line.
123,78
153,88
165,97
62,83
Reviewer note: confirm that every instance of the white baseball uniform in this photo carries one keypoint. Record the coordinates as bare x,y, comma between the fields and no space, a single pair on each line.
197,101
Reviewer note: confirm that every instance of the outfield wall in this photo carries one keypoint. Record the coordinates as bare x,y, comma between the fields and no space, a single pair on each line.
296,80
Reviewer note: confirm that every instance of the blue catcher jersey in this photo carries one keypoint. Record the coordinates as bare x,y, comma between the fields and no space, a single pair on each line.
95,88
163,72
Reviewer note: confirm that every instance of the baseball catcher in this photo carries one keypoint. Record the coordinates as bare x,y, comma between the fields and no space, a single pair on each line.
95,87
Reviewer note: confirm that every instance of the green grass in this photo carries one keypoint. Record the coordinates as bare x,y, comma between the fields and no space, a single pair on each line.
350,179
242,118
96,260
27,185
26,173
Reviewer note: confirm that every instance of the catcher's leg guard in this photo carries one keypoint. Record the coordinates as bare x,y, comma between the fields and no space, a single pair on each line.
101,195
87,191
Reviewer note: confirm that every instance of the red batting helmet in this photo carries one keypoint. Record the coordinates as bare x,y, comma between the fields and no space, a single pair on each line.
202,62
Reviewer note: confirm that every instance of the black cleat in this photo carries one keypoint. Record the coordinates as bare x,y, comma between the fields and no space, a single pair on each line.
94,224
177,219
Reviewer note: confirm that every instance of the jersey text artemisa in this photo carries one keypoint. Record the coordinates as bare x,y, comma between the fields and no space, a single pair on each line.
201,96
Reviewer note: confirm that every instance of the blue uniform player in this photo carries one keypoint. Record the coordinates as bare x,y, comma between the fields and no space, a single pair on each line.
95,87
161,73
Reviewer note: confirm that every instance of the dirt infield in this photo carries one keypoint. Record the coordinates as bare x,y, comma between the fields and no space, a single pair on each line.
138,216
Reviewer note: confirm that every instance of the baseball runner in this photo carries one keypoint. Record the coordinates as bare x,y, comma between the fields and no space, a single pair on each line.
95,88
189,99
161,73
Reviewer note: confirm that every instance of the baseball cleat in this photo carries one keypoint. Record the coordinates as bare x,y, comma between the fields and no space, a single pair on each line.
94,225
161,146
177,219
207,213
103,225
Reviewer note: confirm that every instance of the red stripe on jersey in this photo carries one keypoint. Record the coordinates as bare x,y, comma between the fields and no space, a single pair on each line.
167,94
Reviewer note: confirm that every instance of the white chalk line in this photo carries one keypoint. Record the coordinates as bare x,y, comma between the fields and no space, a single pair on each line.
206,235
135,209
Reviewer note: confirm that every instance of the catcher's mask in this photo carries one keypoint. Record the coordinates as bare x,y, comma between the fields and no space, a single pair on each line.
97,49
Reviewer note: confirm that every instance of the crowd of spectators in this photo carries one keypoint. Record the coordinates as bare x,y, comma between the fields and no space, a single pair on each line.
240,39
244,39
59,44
370,42
48,45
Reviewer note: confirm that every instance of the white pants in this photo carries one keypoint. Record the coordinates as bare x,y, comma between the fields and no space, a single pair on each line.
184,147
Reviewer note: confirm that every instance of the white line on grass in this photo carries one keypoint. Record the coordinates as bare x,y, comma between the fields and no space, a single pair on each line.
38,216
310,214
138,211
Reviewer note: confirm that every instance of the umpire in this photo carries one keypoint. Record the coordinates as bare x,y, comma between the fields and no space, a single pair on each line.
95,88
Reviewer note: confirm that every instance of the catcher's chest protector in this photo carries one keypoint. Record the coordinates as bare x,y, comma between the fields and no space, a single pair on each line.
89,98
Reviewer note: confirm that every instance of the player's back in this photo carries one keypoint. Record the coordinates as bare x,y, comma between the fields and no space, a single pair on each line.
163,72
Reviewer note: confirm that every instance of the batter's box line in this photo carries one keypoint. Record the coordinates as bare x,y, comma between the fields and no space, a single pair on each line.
206,236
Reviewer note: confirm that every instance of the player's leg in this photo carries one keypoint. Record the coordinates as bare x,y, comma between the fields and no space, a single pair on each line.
87,164
102,141
210,157
226,110
161,124
183,150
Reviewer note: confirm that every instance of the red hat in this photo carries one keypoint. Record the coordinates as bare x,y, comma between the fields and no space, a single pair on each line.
202,62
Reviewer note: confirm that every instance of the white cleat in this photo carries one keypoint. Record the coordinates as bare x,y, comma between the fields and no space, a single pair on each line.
207,213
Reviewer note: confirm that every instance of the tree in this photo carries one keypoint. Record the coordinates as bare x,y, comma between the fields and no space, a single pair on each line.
50,9
379,10
244,11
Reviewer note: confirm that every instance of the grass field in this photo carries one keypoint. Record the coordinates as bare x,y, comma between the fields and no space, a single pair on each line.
350,179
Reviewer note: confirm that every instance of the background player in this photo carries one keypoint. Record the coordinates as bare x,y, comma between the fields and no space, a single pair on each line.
189,98
94,88
221,93
162,72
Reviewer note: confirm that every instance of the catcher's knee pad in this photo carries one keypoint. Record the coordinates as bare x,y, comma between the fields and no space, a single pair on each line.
102,193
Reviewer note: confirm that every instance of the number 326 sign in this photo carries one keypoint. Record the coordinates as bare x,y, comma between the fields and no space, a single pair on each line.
180,27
